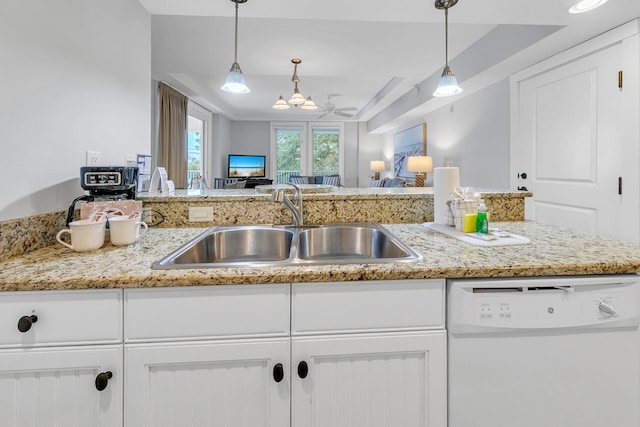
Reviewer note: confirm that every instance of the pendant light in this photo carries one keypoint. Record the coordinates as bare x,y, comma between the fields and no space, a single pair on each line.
297,100
235,82
448,85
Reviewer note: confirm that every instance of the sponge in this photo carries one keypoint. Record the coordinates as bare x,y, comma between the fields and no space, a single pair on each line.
469,223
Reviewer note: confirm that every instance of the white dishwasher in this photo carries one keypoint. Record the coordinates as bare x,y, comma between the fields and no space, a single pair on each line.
544,352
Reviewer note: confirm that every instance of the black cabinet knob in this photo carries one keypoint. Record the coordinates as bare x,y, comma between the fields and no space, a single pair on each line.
303,369
278,372
522,175
102,380
25,322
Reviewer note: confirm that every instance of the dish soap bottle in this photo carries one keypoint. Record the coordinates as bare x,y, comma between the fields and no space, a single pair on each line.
482,223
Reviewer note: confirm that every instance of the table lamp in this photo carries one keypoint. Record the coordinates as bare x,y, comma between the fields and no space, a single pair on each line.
421,165
376,166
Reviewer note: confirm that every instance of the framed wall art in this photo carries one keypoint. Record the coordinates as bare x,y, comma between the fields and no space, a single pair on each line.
409,142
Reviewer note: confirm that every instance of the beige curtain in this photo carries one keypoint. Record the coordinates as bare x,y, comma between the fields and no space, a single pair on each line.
172,135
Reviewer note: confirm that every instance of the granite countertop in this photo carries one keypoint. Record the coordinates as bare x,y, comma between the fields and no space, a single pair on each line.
335,193
552,251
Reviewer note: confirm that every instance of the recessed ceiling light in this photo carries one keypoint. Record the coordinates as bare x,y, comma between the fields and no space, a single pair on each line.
586,5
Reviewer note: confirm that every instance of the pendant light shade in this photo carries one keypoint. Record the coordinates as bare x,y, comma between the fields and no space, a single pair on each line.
281,104
309,104
448,85
235,82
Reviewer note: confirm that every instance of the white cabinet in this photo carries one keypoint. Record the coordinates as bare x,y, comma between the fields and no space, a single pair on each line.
46,381
380,360
211,383
232,371
327,354
373,380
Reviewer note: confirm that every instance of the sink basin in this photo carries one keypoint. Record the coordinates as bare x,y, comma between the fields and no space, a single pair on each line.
357,243
235,246
256,246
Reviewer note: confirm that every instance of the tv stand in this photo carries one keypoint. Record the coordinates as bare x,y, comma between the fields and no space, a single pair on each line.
252,182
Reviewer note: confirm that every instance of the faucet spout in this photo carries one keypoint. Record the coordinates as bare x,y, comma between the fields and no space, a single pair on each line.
294,205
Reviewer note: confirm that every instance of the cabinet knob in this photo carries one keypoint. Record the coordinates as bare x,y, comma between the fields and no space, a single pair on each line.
522,175
303,369
278,372
25,322
102,380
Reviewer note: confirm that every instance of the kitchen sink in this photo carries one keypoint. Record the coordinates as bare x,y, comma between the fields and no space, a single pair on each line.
232,245
350,242
260,245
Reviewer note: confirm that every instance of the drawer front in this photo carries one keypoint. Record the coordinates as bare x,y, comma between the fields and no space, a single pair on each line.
189,313
63,317
367,306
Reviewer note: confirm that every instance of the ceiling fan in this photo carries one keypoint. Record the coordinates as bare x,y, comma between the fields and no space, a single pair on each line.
330,108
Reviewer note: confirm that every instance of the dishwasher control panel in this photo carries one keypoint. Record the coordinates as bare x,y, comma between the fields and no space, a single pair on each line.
497,305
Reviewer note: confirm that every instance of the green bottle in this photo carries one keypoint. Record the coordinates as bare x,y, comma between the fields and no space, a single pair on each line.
482,223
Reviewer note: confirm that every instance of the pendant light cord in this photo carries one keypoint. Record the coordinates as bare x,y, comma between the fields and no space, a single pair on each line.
235,54
446,36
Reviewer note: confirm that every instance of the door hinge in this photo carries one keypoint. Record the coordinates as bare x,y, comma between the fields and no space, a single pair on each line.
619,185
620,79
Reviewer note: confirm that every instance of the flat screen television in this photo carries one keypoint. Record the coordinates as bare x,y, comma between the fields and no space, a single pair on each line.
246,166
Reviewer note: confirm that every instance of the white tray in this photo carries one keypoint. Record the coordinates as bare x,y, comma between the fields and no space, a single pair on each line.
511,239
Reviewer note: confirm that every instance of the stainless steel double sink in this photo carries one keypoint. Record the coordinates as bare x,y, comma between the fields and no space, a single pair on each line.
264,245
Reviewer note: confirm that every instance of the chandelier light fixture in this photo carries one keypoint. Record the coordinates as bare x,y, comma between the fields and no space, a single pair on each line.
235,82
448,85
297,100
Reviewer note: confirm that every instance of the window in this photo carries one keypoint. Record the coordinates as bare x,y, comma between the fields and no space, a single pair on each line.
306,149
198,140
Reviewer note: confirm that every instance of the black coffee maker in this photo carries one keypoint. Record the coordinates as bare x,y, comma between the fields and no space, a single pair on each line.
105,183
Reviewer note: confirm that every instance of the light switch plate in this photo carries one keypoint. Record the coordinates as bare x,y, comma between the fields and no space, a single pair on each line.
200,214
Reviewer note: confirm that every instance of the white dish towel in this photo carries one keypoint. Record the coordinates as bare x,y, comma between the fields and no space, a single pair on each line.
511,239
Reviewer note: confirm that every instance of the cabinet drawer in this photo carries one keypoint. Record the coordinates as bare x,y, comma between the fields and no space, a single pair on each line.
367,306
63,317
189,313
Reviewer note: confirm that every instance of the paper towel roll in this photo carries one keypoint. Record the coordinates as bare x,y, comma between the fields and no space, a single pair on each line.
445,180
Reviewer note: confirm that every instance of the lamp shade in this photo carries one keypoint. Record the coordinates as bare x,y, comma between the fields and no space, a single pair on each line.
280,104
419,164
376,165
235,82
448,85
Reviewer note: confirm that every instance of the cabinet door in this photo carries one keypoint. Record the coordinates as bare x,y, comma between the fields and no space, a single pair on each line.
370,380
208,384
57,387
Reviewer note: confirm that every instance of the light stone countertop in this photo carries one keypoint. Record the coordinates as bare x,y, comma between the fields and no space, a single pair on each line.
335,193
553,251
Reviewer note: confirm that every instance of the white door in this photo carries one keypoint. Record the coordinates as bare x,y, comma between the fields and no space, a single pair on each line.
57,387
209,384
369,380
569,143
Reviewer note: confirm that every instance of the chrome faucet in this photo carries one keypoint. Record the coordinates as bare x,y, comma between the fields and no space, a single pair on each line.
294,205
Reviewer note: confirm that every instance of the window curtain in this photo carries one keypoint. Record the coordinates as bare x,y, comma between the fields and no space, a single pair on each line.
172,135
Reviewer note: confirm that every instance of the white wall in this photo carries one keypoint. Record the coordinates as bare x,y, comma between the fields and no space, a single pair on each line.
74,77
473,134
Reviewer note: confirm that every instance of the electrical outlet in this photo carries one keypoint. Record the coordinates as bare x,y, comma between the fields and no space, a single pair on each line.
93,158
201,214
130,160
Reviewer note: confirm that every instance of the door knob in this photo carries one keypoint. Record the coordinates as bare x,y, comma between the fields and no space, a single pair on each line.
25,322
102,380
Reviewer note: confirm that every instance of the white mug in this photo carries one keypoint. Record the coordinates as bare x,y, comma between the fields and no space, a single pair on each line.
85,235
125,231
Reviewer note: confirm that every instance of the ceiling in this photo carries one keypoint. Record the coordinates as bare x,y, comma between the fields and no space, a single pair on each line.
383,57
